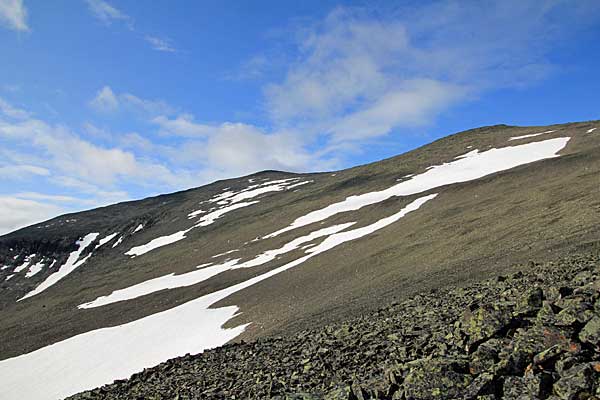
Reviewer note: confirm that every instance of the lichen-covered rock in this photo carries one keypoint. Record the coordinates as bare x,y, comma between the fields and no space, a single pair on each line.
341,393
575,383
574,310
486,356
591,331
484,322
436,379
530,302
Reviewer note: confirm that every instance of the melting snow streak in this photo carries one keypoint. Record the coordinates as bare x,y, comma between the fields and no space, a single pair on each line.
72,263
530,135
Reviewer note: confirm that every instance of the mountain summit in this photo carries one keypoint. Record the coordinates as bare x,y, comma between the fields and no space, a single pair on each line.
91,297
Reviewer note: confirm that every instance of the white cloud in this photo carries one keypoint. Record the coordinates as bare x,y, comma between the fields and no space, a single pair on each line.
342,62
151,107
237,148
253,68
105,100
68,154
13,15
354,81
230,149
107,13
48,197
362,73
12,112
17,213
161,44
183,125
413,104
21,171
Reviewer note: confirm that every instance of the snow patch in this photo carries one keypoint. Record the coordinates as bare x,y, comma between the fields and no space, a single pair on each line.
156,243
467,155
476,165
591,130
225,253
34,269
530,135
228,202
25,264
172,281
72,263
106,239
211,217
118,242
138,228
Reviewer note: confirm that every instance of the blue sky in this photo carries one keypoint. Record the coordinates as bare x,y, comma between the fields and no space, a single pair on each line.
104,101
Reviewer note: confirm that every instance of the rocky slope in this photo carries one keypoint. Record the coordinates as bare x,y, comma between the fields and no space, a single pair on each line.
532,334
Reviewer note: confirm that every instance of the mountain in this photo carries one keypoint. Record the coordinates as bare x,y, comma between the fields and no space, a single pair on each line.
90,297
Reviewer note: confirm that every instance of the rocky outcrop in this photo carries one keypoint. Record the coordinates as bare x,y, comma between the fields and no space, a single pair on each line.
532,335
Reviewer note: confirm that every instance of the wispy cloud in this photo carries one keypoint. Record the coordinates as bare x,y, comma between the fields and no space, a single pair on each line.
13,15
161,44
182,125
107,101
48,197
21,171
107,14
12,112
359,75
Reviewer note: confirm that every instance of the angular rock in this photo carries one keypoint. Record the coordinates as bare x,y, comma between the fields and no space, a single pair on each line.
575,383
429,379
484,322
590,333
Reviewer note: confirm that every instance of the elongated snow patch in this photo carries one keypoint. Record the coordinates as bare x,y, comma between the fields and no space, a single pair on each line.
72,263
172,281
156,243
530,135
98,357
473,165
106,239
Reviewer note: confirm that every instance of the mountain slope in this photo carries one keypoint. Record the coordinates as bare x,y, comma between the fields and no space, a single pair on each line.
287,250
